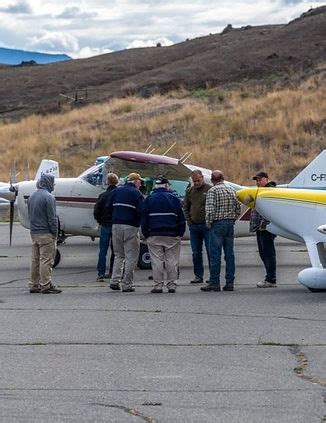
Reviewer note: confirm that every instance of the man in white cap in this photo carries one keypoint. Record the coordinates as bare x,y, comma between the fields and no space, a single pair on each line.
126,206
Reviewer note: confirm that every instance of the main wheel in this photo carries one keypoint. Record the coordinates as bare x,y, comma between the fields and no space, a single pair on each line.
57,258
144,259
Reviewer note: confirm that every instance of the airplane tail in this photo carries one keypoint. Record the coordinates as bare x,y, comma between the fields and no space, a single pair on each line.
48,167
313,176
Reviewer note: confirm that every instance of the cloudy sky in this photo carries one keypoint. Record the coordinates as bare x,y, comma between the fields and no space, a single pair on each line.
86,28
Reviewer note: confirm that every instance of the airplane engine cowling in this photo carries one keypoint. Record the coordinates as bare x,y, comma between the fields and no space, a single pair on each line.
313,278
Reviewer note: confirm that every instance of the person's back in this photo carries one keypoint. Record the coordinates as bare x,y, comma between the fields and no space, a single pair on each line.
126,203
163,215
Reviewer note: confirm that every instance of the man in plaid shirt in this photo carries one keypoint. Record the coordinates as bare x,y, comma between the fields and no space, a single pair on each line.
222,210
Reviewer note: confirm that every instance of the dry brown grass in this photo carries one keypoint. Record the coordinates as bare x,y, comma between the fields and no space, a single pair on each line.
279,131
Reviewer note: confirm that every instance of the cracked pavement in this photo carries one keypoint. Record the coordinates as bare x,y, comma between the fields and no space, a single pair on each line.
94,355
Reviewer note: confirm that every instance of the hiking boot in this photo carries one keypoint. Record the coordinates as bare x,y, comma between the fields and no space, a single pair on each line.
115,287
266,284
211,287
100,278
228,288
197,280
35,290
131,289
51,290
171,290
156,291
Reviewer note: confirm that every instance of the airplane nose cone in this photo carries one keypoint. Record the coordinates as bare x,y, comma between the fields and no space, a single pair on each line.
247,196
6,194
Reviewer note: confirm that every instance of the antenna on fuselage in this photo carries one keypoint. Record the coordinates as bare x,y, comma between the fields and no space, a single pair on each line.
185,157
170,148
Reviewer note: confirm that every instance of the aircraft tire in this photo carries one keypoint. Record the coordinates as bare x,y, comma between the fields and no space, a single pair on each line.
317,290
144,259
57,258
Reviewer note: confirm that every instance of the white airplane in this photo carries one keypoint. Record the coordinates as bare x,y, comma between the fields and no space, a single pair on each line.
75,197
9,201
300,215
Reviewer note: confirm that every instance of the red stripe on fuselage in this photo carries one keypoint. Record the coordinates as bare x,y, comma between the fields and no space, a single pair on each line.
71,199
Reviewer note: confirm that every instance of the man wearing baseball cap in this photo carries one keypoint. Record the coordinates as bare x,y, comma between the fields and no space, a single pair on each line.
126,206
265,239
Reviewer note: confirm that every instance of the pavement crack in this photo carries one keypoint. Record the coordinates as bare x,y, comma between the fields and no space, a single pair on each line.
302,360
128,410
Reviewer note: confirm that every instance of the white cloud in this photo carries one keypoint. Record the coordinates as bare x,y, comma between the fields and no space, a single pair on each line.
82,28
149,43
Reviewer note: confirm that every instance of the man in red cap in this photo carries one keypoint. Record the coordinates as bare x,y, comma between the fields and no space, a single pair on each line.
265,239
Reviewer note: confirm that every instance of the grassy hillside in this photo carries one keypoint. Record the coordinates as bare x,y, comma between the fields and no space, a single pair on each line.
238,131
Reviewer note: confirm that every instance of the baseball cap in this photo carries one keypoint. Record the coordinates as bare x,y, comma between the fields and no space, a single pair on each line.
134,177
161,180
260,175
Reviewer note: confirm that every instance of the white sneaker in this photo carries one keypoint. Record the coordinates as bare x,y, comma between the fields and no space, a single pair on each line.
265,284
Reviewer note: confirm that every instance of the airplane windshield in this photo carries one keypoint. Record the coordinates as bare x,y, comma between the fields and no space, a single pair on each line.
93,175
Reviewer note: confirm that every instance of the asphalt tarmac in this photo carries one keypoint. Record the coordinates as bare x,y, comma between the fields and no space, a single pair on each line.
94,355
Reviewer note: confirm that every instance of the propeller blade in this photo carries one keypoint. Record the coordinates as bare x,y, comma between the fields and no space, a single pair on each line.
12,211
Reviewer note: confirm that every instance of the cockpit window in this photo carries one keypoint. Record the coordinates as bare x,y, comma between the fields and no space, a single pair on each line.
94,175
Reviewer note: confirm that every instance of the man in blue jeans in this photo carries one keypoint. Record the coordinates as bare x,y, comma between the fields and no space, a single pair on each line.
103,216
194,210
265,239
222,210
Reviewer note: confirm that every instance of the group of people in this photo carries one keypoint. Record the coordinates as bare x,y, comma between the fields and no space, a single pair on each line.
210,211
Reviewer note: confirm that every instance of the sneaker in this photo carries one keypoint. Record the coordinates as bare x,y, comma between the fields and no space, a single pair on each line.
197,280
51,290
228,288
156,291
211,287
171,290
35,290
108,276
115,287
266,284
131,289
100,278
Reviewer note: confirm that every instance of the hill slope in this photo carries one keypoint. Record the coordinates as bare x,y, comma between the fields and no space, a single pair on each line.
269,54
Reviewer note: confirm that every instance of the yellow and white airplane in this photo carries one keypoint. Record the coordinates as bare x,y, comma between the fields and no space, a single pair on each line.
298,214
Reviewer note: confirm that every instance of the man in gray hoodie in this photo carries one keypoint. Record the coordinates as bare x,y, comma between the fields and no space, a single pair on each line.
44,230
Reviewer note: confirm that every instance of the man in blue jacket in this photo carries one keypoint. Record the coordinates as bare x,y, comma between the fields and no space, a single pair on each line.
163,224
125,204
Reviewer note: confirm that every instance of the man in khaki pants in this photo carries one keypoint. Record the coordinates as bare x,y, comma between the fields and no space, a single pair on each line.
163,225
44,229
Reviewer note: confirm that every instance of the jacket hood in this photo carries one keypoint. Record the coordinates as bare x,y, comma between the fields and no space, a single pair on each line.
46,182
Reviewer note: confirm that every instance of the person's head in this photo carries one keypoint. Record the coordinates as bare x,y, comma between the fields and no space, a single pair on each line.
162,182
112,179
197,178
261,179
46,181
217,177
135,179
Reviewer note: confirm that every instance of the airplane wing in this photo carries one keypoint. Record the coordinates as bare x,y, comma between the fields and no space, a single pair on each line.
147,165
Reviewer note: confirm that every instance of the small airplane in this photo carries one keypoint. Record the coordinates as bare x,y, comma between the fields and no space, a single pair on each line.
299,215
75,197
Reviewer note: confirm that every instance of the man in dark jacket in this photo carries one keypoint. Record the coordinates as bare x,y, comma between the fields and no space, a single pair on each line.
194,209
265,239
44,231
163,224
125,204
103,216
